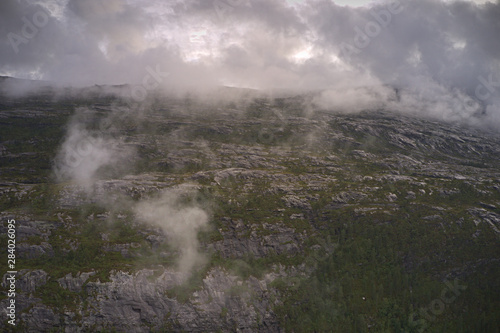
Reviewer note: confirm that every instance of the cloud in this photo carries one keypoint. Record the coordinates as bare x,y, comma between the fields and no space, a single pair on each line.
179,221
355,99
118,27
268,44
85,152
90,149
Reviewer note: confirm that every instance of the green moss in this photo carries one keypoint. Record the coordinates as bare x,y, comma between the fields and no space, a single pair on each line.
55,296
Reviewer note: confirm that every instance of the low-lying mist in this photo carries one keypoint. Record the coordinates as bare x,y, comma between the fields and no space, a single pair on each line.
86,152
180,222
95,148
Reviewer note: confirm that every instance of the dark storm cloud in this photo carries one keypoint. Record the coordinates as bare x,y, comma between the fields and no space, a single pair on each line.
28,33
442,55
88,42
274,14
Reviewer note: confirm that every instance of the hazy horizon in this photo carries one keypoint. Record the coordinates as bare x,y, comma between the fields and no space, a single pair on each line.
443,56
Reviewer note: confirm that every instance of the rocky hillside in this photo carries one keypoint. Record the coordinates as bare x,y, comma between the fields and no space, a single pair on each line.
259,216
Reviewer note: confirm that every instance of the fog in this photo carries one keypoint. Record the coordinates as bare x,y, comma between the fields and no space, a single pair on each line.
85,151
179,221
92,150
442,56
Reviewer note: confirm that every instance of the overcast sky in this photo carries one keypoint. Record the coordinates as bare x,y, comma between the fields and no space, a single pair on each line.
433,47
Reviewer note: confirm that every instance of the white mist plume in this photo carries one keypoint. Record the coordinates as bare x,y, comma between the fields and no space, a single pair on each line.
84,152
179,222
354,99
